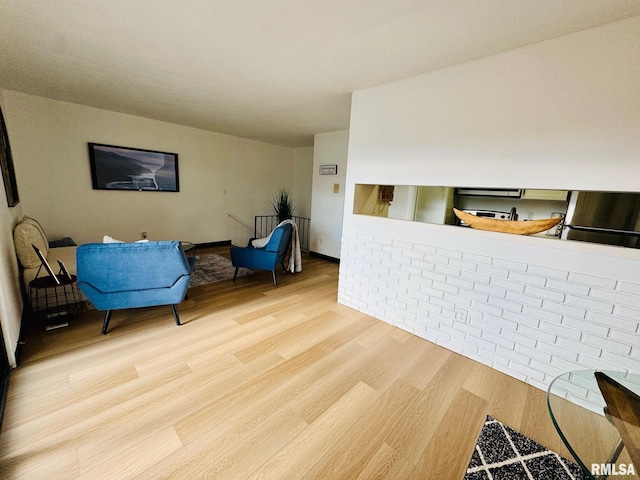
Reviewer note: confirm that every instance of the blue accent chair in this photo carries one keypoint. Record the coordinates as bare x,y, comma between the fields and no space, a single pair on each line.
267,258
114,276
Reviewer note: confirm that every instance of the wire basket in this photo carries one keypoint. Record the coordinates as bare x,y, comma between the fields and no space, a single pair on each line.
56,302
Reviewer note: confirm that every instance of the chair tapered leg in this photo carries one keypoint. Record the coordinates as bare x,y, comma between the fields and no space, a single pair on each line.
107,319
235,274
174,309
273,273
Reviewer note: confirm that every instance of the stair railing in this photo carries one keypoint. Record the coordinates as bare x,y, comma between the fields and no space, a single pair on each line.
264,225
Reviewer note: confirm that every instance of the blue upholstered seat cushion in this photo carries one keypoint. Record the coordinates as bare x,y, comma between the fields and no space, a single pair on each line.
125,275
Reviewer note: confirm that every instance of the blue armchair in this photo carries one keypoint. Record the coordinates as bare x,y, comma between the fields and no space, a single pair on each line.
114,276
266,258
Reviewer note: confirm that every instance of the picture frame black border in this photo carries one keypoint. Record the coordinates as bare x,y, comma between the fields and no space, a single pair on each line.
64,271
6,165
328,170
46,264
94,173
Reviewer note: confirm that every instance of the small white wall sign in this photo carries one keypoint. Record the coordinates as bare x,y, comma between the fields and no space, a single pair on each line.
328,169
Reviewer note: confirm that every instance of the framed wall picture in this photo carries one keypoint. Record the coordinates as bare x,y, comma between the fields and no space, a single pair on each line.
46,265
328,170
6,165
126,168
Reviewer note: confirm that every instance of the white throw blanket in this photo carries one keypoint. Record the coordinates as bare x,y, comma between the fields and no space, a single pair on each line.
295,257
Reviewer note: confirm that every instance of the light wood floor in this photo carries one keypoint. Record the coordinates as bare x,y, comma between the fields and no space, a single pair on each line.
260,382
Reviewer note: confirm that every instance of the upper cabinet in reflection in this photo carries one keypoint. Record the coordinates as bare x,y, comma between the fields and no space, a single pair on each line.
557,195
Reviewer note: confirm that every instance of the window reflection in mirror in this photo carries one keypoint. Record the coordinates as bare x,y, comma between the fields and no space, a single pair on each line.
601,217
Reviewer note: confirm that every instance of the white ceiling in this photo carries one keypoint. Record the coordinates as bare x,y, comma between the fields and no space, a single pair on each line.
278,71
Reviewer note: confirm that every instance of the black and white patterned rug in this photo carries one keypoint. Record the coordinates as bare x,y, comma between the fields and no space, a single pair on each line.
501,453
212,268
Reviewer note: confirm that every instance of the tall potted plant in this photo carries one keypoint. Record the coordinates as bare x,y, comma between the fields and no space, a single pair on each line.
283,205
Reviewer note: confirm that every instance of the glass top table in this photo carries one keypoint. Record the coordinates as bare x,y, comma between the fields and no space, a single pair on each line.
577,410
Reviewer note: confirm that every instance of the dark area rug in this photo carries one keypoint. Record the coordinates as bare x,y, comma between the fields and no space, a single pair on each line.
212,268
501,453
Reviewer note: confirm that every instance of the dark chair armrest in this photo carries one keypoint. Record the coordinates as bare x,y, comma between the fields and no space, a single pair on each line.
192,262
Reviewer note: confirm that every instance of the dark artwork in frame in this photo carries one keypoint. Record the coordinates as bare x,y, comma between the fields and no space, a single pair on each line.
46,265
6,164
126,168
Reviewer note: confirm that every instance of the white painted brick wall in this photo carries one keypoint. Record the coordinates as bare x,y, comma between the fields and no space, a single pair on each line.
529,321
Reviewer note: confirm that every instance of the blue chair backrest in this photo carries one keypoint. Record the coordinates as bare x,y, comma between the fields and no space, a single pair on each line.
117,267
279,240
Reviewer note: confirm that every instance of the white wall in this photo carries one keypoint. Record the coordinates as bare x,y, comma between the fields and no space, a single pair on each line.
302,181
559,114
326,205
10,297
218,174
552,115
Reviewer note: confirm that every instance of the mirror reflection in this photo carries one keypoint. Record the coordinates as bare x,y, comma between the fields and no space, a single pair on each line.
602,217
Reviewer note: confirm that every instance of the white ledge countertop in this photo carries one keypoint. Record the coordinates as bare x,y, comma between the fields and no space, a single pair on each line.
607,260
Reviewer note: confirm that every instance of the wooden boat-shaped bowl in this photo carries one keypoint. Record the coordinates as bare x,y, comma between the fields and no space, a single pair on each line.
527,227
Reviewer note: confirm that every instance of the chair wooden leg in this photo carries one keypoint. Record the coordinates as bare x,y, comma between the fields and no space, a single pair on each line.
273,273
174,309
105,323
235,274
